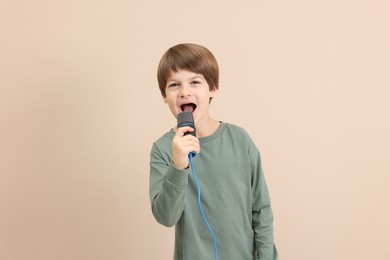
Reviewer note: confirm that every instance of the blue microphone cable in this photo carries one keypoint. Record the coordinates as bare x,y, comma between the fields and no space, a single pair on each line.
190,156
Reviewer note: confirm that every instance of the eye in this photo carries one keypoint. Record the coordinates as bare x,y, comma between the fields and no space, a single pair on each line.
195,82
173,85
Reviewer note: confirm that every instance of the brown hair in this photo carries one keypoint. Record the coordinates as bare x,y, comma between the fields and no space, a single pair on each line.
191,57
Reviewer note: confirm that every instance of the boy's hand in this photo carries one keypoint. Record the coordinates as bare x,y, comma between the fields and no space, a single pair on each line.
182,146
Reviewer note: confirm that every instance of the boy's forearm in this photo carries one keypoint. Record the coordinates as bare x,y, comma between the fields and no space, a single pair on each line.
263,230
168,203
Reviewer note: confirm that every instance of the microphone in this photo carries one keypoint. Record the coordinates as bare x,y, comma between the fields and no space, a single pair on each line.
186,119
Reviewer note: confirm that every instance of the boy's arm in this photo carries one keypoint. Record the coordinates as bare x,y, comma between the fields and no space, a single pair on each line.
262,217
169,176
167,189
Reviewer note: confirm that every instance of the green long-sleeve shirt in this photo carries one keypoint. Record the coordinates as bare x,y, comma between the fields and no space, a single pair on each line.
234,195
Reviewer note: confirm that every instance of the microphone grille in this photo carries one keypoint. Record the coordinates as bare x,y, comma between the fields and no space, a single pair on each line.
184,118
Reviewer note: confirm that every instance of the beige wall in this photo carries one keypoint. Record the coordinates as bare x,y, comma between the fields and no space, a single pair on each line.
80,108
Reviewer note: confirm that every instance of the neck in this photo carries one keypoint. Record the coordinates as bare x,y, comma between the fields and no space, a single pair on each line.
206,127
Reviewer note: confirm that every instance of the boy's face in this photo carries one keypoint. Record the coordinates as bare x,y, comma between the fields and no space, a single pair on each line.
188,91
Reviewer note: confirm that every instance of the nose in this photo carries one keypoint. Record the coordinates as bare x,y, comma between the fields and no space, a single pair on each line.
185,91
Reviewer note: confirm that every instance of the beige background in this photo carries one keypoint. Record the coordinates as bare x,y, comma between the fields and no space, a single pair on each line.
80,108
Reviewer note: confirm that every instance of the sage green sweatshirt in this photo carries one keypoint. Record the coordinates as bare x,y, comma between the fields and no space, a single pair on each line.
234,197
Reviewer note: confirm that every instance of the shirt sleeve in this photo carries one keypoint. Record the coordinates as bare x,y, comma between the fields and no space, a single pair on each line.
262,217
167,187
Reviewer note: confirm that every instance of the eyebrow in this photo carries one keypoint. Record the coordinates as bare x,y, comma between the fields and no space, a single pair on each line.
192,78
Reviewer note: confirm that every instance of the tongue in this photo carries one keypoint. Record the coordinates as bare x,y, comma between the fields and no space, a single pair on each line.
188,107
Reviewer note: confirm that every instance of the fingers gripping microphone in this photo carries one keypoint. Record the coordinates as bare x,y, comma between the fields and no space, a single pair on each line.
186,119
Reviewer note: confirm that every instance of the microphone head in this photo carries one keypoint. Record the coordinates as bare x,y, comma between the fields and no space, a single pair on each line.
186,119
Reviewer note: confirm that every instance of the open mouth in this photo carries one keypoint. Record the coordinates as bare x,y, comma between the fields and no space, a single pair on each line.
188,107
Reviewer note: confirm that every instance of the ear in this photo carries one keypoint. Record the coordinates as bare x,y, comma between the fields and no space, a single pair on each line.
165,100
213,92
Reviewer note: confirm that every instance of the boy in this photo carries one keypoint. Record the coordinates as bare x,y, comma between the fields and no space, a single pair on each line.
234,194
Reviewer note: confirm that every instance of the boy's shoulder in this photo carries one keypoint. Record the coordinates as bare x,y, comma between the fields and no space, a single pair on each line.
241,136
165,139
234,127
237,131
162,148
